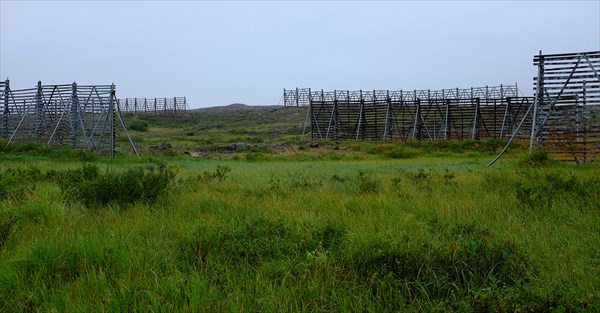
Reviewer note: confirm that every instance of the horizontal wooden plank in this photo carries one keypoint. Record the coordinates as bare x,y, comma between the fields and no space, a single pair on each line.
565,77
569,95
554,63
17,91
562,55
583,61
579,70
549,69
566,58
591,84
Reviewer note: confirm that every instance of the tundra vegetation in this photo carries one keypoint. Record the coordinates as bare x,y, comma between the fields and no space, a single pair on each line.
358,226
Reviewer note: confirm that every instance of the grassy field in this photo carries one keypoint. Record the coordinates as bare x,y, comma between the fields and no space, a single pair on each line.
211,128
348,227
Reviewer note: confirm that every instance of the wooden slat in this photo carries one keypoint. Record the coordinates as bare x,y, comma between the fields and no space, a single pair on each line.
565,55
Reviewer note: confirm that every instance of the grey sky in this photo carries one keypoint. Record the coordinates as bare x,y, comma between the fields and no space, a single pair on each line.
217,53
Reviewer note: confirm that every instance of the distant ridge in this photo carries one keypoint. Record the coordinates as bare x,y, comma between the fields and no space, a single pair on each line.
235,108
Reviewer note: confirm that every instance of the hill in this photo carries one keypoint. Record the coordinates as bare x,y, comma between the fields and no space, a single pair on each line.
268,130
235,123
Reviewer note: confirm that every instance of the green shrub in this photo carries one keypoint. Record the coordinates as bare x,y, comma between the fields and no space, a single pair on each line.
366,183
41,149
448,177
15,183
536,158
138,125
420,177
255,156
403,152
93,188
27,146
337,179
491,145
539,189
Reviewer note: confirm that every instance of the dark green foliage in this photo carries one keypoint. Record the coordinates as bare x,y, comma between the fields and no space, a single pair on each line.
36,148
483,146
220,173
257,241
492,145
420,176
422,179
402,153
138,125
49,264
396,181
540,189
265,149
275,184
253,157
448,177
471,260
8,184
15,183
6,226
471,268
304,237
94,188
337,179
396,150
328,236
536,159
366,183
306,183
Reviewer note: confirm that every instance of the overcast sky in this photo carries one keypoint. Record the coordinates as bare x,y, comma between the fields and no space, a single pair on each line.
218,53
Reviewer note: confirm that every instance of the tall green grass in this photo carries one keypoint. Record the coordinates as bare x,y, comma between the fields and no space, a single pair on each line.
424,234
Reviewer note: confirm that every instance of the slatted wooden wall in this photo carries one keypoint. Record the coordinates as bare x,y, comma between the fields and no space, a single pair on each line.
449,114
80,116
568,92
154,106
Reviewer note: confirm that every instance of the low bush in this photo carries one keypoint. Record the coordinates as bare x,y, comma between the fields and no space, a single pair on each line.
448,177
30,147
404,153
540,189
219,173
138,125
40,149
492,145
94,188
536,159
15,183
366,183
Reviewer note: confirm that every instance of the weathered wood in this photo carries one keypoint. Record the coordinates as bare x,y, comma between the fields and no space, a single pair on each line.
66,114
155,106
420,114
